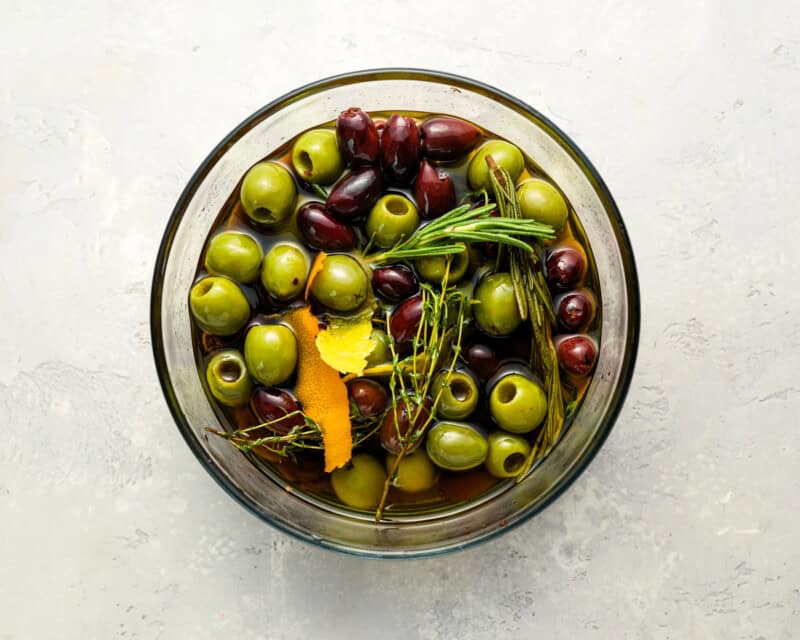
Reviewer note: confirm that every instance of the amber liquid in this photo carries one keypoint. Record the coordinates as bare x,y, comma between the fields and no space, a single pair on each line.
305,474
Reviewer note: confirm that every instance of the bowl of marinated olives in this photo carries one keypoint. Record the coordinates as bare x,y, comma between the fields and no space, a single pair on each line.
395,312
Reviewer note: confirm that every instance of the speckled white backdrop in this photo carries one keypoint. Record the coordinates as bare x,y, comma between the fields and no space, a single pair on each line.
685,526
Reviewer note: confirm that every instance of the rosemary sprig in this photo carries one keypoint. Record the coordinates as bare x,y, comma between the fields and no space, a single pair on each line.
319,191
533,300
442,236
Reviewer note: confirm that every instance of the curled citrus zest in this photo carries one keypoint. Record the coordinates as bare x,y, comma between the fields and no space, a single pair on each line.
316,267
346,343
321,390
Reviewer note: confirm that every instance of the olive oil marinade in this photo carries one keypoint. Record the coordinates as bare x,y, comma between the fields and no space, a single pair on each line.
395,312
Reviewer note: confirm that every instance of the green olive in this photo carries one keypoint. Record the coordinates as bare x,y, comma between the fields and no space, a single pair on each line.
517,403
391,219
316,157
459,394
285,271
270,351
268,193
414,473
507,454
541,201
505,154
380,353
235,255
456,446
433,269
341,284
219,306
228,379
360,483
496,311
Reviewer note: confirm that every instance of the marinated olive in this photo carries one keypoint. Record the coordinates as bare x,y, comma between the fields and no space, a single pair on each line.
507,454
360,483
397,424
432,269
447,138
404,321
393,218
505,154
575,310
517,403
321,231
341,284
400,149
284,271
380,353
434,192
356,193
278,407
316,157
394,283
270,351
565,267
367,396
541,201
456,446
481,359
268,193
496,311
357,136
458,394
415,472
576,354
228,379
219,306
235,255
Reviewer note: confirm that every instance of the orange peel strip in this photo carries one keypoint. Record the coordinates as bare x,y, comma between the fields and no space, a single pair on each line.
316,267
321,390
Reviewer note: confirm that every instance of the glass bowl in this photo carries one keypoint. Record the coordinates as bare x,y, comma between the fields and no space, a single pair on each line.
386,90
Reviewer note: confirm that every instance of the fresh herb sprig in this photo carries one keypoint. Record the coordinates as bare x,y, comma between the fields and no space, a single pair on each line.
533,300
446,234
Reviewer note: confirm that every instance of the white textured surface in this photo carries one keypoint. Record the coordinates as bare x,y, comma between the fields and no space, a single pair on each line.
685,526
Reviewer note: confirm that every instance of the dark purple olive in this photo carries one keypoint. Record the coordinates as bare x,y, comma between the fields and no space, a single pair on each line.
481,359
575,310
369,397
576,353
397,424
446,138
354,195
433,191
394,283
405,319
271,403
400,149
565,267
357,137
321,231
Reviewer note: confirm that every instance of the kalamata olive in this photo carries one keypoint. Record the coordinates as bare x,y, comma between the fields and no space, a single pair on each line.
321,231
433,191
400,149
368,396
357,137
481,359
446,138
272,404
354,195
397,424
576,353
565,267
575,310
405,319
394,283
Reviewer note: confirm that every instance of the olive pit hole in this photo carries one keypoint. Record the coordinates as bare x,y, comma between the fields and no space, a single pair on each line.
305,162
513,463
229,370
460,390
204,287
396,206
263,214
506,392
